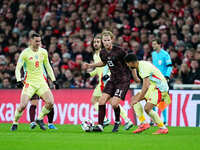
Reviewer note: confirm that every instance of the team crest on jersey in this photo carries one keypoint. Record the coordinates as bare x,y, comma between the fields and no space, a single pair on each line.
36,56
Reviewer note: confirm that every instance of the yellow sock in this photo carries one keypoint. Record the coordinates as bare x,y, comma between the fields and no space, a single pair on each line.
155,117
96,107
17,116
123,114
139,112
43,113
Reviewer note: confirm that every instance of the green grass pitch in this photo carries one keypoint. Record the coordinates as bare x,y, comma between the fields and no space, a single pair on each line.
71,137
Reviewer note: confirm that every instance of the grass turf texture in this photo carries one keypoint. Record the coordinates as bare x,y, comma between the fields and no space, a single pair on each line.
71,137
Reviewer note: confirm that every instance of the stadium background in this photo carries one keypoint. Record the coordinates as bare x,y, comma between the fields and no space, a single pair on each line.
67,28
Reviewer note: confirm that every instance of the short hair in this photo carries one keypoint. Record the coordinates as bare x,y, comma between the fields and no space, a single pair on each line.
157,41
33,34
107,33
130,57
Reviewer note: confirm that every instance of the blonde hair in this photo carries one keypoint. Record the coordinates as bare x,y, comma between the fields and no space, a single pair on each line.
107,33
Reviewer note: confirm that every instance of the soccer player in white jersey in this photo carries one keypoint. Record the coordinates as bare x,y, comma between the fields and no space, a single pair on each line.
35,59
154,91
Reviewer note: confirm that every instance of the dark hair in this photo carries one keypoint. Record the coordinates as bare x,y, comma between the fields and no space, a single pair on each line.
34,34
130,57
157,41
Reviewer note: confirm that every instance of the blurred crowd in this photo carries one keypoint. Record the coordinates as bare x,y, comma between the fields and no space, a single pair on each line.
68,26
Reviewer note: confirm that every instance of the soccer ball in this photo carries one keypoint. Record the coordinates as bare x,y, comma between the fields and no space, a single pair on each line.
87,125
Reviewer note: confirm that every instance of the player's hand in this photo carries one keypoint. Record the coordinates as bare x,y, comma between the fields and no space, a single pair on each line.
86,66
105,77
135,99
19,84
56,86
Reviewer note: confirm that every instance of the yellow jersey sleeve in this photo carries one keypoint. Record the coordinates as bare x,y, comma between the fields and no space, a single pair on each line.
20,63
48,67
144,69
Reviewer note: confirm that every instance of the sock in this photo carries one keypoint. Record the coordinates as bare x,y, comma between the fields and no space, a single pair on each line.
101,114
32,113
117,114
139,112
123,114
50,116
43,113
164,113
96,106
155,117
17,116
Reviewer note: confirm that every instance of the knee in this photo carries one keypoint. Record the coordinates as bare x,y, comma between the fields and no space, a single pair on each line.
21,107
147,109
114,104
102,101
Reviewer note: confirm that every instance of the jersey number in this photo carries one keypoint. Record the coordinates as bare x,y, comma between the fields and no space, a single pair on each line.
110,63
37,64
118,92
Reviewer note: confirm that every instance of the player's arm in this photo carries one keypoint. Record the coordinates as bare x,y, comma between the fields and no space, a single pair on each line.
98,64
140,96
48,67
145,87
136,78
169,66
20,63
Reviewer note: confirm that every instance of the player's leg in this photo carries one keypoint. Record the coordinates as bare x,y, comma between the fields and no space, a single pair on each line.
152,99
155,117
119,94
95,102
26,94
32,110
102,112
45,93
108,91
140,114
123,114
50,116
151,121
115,105
19,111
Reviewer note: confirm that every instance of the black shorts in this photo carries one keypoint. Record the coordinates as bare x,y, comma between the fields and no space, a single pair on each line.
117,89
35,97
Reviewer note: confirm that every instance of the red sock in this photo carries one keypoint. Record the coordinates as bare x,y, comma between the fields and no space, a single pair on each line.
102,113
32,113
